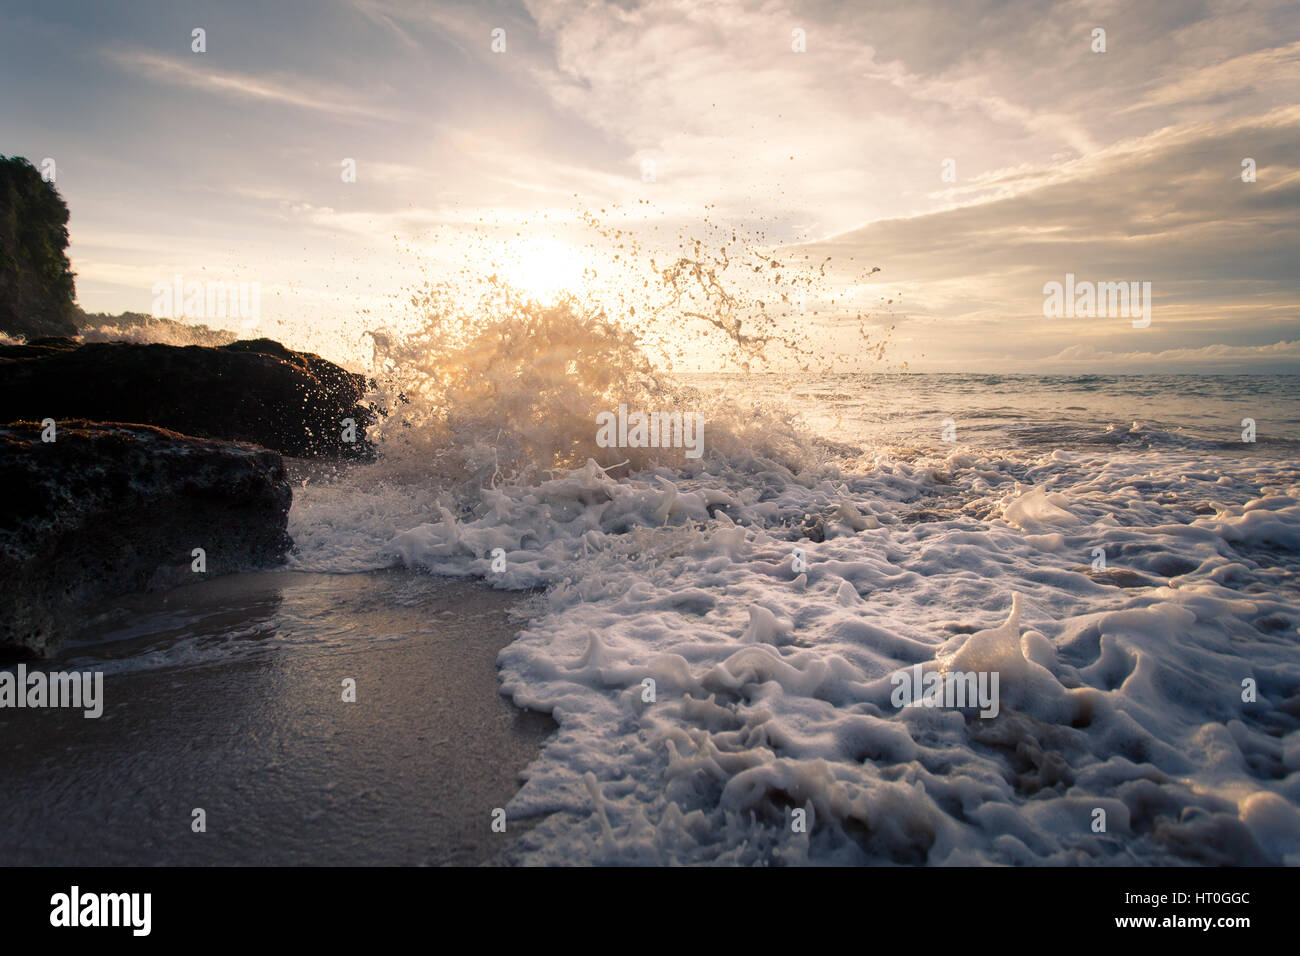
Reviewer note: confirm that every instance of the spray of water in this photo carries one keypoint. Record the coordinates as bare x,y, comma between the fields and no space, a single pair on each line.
492,384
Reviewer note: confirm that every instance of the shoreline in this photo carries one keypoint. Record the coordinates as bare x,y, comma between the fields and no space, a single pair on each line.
250,726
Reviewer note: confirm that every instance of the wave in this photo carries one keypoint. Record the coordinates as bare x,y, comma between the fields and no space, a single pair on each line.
719,638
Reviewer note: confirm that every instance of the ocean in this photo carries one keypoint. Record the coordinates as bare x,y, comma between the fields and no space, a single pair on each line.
722,641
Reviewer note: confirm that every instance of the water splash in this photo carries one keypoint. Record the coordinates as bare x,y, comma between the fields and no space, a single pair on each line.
488,382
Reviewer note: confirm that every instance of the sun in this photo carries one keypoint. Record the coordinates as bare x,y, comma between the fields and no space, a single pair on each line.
543,269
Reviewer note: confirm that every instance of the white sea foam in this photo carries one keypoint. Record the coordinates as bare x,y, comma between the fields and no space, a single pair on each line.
772,687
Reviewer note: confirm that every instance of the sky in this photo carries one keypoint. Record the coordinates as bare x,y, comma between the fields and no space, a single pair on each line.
972,152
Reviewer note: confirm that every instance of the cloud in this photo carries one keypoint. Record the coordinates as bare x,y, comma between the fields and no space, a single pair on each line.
1169,208
1277,357
274,89
1260,71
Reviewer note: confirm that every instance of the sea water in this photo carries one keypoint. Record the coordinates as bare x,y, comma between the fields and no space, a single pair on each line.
718,638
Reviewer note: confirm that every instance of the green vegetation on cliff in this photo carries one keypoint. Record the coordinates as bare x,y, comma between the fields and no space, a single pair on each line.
36,279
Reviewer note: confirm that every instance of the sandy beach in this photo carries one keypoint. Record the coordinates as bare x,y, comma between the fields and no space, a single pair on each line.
259,737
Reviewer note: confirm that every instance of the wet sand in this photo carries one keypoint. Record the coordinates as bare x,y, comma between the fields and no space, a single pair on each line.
227,696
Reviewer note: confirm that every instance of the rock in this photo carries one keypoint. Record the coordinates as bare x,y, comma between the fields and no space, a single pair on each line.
251,391
106,509
39,348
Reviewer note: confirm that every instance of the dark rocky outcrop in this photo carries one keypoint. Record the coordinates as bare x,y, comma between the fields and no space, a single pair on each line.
107,509
254,391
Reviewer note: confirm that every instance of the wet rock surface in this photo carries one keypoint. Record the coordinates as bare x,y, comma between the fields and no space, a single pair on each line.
254,391
105,509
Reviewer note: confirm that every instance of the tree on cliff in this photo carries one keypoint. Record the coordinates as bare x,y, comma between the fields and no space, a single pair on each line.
36,279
